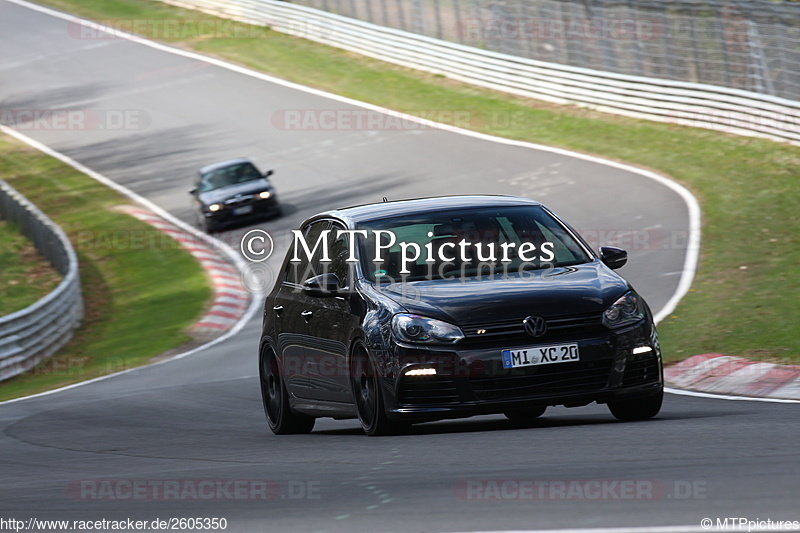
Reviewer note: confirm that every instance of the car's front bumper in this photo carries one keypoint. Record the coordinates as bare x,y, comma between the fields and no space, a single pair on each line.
228,217
471,380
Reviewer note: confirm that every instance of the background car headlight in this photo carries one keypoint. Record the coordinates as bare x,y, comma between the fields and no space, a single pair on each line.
417,329
264,195
628,309
214,207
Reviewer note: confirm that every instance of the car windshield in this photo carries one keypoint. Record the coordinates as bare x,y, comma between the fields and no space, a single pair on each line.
466,243
226,176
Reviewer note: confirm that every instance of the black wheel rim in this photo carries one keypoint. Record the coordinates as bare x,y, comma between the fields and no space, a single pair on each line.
365,389
272,389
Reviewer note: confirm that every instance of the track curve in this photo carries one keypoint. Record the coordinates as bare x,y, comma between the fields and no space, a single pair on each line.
200,418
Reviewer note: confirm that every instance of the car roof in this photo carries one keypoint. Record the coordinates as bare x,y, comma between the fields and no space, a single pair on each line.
375,211
223,164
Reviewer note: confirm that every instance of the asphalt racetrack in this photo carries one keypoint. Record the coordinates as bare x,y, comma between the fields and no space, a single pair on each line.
198,421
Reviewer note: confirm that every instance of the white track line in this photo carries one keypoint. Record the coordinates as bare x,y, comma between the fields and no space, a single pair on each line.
693,247
682,392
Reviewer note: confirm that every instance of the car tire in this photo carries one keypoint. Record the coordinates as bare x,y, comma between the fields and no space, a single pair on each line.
204,224
367,396
520,415
280,417
637,408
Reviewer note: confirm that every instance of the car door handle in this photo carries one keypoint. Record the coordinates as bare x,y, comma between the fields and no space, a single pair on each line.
307,315
278,309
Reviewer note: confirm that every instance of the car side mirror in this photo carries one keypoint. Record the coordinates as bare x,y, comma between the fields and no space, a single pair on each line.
613,257
269,173
322,286
193,191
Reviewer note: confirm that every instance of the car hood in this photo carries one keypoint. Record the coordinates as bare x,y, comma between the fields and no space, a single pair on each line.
581,289
222,194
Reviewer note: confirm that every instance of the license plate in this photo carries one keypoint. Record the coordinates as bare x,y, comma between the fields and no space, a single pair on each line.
243,210
540,355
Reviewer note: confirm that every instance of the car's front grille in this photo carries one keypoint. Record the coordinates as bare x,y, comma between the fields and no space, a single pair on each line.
542,379
427,390
238,201
511,332
641,371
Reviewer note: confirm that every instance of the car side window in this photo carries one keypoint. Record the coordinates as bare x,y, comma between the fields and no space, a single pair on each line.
298,272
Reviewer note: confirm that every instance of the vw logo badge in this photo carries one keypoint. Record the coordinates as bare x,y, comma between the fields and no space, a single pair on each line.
535,325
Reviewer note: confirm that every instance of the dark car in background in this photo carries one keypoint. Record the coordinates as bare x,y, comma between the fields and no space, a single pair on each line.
356,326
232,193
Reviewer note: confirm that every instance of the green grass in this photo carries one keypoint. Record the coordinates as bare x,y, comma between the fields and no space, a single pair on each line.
139,298
744,299
25,276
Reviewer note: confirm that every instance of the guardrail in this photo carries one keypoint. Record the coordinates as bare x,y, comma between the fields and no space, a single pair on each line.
749,45
32,334
692,104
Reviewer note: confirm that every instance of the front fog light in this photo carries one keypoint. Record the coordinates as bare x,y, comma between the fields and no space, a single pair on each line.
421,372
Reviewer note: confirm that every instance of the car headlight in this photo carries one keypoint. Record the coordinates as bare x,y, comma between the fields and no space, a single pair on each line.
264,195
628,309
417,329
214,207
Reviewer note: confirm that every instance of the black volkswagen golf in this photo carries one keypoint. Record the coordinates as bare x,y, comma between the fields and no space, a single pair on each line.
421,310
